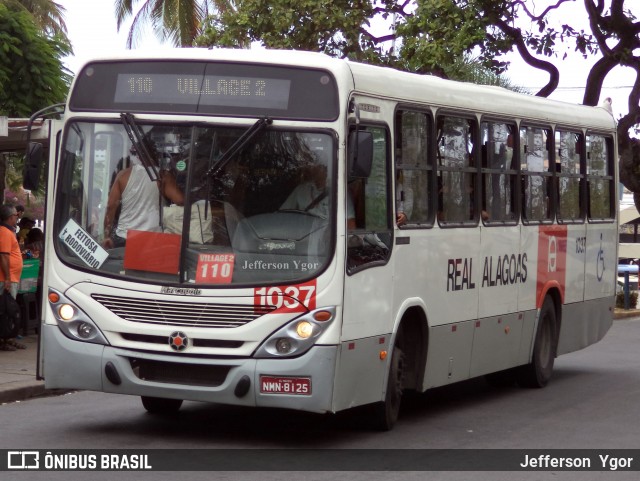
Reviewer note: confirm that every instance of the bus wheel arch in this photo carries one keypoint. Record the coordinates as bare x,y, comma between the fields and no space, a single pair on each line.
412,337
537,373
406,367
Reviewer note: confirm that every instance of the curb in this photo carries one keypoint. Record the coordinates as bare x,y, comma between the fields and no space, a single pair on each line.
24,390
20,390
626,314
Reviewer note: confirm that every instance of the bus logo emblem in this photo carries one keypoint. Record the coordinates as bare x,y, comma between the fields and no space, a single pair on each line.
553,252
178,341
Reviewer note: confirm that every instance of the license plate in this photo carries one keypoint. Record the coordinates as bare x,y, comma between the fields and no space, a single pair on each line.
299,386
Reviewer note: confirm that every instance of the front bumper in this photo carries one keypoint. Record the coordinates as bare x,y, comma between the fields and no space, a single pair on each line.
70,364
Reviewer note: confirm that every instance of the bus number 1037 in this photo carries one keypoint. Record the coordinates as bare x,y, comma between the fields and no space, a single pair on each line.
140,85
297,298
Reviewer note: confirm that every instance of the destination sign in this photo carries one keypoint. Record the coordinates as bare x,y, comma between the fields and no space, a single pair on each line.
264,93
206,88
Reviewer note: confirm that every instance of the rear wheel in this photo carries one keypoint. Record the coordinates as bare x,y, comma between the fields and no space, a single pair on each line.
385,413
158,405
538,372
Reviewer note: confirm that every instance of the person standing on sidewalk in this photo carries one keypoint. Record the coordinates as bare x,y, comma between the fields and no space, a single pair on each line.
10,263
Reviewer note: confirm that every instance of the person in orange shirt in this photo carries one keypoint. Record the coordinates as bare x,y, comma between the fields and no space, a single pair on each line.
10,262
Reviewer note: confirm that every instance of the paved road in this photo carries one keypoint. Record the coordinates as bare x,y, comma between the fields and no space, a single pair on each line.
592,402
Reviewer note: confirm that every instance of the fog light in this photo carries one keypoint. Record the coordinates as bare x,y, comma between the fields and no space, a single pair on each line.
304,329
85,330
283,345
66,312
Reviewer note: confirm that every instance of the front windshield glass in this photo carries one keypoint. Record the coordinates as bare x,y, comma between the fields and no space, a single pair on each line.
260,216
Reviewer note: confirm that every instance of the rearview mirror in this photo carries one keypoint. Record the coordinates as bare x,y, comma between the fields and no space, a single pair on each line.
32,166
360,154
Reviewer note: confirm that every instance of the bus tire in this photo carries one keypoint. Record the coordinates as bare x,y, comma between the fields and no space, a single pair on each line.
537,373
158,405
385,413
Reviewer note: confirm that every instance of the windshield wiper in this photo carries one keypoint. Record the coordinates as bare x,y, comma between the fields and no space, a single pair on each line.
141,143
251,132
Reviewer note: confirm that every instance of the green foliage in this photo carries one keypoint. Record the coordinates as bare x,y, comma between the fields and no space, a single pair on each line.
343,28
178,21
471,69
31,72
425,36
332,27
440,32
633,299
47,15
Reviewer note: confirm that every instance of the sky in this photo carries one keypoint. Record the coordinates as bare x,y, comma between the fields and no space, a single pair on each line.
92,30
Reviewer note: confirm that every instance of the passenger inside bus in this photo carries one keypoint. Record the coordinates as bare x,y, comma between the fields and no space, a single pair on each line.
404,199
138,197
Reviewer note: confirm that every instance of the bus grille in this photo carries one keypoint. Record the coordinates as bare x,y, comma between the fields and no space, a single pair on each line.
179,373
193,314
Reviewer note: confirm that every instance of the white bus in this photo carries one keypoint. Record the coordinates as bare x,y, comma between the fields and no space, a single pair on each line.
353,232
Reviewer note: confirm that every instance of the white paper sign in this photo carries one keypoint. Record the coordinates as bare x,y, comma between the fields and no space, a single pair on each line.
83,245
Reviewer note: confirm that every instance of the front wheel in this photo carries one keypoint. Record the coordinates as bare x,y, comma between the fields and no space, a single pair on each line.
385,413
537,373
157,405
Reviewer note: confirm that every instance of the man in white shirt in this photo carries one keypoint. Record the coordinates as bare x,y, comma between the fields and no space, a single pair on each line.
139,198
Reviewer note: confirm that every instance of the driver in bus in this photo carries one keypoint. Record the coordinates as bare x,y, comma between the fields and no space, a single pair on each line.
312,196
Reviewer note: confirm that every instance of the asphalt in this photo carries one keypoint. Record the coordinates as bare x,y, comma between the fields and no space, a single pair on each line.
18,368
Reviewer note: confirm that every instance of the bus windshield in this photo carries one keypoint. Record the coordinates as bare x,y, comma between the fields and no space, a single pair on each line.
258,210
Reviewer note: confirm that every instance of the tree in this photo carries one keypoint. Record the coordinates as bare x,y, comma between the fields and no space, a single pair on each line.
338,28
178,21
47,15
427,36
32,75
471,69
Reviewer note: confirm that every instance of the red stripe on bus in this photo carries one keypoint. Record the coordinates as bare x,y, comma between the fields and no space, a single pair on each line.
552,261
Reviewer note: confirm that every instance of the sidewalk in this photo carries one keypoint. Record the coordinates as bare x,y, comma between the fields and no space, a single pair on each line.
18,372
18,368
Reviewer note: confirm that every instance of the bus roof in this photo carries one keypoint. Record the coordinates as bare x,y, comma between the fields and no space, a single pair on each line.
480,98
406,87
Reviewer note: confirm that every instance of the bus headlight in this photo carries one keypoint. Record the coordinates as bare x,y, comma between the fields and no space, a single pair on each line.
304,329
283,345
66,312
72,321
85,330
297,336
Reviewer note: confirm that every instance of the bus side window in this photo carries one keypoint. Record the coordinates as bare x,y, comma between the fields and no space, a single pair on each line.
457,173
536,175
570,176
600,177
413,169
498,173
370,243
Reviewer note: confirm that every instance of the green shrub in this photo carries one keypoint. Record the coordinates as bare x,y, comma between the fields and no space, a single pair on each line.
633,299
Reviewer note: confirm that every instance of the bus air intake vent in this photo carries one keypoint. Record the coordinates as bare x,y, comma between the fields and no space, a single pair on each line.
190,314
179,373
